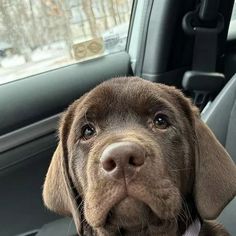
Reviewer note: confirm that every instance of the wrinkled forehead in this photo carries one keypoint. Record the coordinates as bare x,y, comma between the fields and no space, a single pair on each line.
121,99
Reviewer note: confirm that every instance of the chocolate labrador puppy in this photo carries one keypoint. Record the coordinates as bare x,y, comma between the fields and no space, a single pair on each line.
134,158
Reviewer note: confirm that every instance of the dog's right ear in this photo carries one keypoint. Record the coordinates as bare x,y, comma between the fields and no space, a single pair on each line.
59,193
55,193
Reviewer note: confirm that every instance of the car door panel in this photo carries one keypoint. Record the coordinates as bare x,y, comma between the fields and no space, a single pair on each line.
40,96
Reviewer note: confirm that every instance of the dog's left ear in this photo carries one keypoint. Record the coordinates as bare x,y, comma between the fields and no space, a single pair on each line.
215,173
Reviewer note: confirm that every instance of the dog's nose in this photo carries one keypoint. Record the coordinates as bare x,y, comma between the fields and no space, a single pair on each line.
122,159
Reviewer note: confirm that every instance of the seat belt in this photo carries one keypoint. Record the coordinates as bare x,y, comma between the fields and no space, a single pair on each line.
204,24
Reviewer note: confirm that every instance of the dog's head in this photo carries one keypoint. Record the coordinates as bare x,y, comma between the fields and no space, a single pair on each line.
130,153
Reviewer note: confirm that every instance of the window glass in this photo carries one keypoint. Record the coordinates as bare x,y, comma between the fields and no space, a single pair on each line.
234,13
232,26
40,35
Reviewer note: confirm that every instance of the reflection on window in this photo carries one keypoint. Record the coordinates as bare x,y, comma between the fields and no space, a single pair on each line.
39,35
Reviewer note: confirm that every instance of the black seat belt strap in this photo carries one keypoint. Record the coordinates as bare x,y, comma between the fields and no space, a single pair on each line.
204,25
205,50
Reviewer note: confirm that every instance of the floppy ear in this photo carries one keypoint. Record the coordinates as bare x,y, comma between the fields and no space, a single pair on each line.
215,174
59,194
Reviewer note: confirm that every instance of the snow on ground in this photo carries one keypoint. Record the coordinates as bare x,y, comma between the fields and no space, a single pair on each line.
43,59
42,54
32,68
13,61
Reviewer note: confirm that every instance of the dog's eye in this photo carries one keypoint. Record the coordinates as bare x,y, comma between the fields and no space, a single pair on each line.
88,131
161,121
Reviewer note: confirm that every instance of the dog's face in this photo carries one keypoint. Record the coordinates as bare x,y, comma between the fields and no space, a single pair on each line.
130,154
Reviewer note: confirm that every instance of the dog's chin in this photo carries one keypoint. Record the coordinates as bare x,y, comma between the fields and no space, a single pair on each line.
129,212
132,215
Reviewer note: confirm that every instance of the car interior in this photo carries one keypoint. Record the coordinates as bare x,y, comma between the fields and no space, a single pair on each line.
190,44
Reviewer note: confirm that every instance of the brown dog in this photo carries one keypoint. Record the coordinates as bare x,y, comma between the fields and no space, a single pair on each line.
134,158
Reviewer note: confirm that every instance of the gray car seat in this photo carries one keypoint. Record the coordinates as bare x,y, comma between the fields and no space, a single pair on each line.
62,227
220,116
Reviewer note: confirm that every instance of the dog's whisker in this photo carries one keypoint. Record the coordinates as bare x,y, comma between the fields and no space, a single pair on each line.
142,223
181,169
185,215
69,227
77,209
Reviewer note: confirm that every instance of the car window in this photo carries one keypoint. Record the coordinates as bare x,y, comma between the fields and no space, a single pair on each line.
232,26
37,36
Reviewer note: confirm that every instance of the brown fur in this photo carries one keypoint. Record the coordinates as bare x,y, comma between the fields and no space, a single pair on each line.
187,173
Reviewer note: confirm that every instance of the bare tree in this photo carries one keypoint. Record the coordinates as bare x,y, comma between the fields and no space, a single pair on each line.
13,25
103,11
87,7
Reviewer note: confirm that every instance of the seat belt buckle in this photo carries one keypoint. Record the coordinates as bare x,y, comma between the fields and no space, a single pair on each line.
203,85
